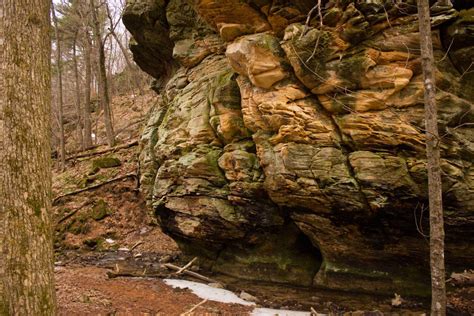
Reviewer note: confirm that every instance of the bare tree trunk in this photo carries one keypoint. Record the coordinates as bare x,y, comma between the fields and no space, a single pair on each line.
62,145
79,124
438,286
87,102
124,51
3,253
103,88
25,186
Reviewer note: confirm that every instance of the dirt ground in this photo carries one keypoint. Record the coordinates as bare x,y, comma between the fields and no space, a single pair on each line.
88,291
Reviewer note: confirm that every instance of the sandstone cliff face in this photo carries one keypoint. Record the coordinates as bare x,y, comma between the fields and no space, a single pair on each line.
293,152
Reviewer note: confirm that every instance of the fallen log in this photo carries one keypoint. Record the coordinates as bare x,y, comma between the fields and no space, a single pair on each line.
104,151
465,278
95,186
78,151
190,273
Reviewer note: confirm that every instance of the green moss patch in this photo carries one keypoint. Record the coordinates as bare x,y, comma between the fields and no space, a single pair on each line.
100,210
105,162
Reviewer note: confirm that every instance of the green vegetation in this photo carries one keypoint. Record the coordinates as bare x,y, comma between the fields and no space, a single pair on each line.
105,162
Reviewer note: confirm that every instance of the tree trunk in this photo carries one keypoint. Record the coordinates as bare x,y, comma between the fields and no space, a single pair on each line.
3,305
87,102
62,145
25,194
79,125
103,88
438,287
124,51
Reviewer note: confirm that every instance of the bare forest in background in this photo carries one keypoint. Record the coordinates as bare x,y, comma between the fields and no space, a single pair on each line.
90,64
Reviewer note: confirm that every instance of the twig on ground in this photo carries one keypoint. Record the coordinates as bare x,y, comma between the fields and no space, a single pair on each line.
136,245
191,273
190,263
194,308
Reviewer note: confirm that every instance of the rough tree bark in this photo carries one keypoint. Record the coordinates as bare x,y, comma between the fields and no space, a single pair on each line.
88,83
25,189
79,124
62,143
103,87
3,305
438,287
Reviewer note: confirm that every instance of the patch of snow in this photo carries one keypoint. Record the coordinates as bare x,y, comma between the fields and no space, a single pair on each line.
206,292
224,296
279,312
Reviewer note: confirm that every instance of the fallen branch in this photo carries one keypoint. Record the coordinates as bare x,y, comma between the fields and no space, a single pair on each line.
190,263
92,187
65,217
81,150
136,245
194,308
191,273
100,152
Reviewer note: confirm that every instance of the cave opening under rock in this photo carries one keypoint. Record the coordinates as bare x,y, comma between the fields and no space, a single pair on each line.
462,4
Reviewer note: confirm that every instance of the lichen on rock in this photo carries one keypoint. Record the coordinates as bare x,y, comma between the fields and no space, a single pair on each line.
295,153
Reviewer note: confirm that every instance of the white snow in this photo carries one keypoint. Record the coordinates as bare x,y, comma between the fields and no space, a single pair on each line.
206,292
224,296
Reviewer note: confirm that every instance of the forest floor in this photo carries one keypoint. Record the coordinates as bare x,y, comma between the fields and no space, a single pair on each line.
110,251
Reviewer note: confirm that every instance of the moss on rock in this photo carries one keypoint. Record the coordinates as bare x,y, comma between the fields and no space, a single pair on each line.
105,162
100,210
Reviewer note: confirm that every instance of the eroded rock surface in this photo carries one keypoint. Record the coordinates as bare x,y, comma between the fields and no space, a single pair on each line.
293,152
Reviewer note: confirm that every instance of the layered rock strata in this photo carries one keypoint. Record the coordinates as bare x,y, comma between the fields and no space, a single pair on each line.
289,142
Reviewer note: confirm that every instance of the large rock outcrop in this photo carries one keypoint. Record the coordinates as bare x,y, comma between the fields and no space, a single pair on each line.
289,149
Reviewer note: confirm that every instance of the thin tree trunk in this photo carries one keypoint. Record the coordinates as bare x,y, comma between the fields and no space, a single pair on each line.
87,101
25,186
130,66
80,138
62,145
438,286
124,51
103,88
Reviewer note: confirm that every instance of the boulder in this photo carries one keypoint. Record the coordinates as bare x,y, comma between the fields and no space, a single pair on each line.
288,149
